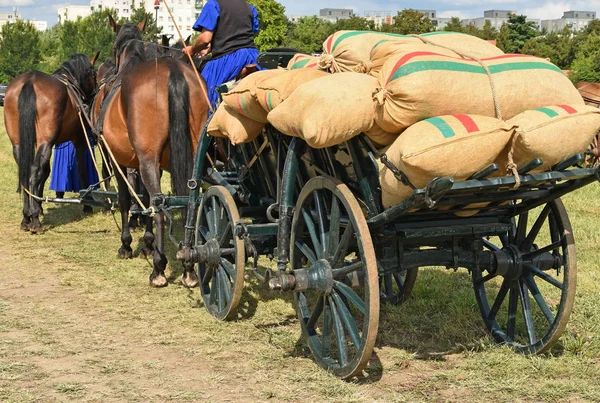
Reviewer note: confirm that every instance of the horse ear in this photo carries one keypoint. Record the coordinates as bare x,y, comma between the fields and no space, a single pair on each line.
187,40
113,24
165,40
94,59
142,25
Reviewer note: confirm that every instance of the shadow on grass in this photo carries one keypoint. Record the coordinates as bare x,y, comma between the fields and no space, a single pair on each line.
56,215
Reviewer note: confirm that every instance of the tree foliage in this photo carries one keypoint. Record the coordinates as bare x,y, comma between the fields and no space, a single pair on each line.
409,21
273,24
19,49
519,31
308,34
354,24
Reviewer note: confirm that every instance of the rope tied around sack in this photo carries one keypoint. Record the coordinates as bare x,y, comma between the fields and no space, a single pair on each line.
511,166
363,67
327,62
380,95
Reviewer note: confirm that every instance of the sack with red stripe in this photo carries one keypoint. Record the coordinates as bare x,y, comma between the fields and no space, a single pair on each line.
552,133
455,145
242,98
226,122
463,44
343,50
302,61
421,85
328,110
273,91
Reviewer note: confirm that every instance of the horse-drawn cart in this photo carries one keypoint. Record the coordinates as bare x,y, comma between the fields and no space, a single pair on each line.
319,213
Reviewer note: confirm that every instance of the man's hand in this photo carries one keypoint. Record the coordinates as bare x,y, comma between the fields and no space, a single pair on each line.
188,50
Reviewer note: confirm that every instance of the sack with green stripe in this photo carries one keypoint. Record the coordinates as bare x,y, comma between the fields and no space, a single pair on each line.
455,145
274,90
417,86
242,98
328,110
302,61
343,50
226,122
552,133
444,43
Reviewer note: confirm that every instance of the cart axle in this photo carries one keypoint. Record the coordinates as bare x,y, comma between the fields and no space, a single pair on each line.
318,277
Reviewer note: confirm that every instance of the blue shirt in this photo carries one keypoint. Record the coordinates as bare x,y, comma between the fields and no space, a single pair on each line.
209,17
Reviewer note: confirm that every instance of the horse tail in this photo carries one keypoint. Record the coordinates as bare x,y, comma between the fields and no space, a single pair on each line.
27,135
180,141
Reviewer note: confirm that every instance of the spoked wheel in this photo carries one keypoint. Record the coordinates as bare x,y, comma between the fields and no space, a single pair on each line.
331,247
593,154
222,277
527,302
396,287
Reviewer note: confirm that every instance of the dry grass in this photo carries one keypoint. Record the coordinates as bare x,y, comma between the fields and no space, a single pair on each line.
78,324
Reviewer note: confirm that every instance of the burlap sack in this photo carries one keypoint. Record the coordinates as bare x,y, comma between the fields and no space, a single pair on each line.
226,122
381,137
343,50
273,91
552,133
302,61
414,87
463,44
387,48
328,110
455,145
242,97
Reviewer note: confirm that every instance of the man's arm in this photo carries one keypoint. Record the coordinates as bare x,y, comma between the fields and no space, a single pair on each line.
201,44
206,23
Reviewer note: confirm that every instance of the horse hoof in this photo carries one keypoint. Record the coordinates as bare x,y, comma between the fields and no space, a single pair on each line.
158,280
87,210
189,279
36,230
125,253
146,253
25,226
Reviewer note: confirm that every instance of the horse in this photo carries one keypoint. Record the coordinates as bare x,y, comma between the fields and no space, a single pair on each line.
41,110
155,109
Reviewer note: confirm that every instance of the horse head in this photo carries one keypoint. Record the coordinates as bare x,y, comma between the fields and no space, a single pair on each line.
128,47
79,71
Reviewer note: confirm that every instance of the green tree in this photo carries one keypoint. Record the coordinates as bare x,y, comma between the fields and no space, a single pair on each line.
488,32
519,32
308,34
273,23
69,39
503,41
151,31
409,21
50,49
472,29
354,24
19,49
586,66
95,34
454,25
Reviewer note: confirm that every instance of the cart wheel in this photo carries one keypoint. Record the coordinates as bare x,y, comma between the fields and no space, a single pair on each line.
593,153
396,287
541,264
222,280
330,238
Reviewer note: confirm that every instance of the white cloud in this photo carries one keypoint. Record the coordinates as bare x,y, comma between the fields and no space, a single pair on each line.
549,11
452,13
479,2
15,3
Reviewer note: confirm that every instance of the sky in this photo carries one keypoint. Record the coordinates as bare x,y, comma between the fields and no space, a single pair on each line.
544,9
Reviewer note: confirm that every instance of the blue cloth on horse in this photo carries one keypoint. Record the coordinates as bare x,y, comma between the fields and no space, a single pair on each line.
64,169
226,68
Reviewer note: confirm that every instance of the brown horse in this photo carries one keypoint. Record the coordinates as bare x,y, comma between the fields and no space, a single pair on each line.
155,109
40,111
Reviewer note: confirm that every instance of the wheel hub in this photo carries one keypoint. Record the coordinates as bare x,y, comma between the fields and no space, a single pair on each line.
319,277
509,262
209,253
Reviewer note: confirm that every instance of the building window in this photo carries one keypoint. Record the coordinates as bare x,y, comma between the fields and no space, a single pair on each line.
330,13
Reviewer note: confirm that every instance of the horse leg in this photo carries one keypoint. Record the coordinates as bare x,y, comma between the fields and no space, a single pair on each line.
149,171
132,178
148,249
80,154
26,221
42,158
125,251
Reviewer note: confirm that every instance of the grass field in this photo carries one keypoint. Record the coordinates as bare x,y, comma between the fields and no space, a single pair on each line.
77,324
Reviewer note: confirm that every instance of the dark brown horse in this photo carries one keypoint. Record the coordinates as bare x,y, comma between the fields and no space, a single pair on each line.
155,109
40,111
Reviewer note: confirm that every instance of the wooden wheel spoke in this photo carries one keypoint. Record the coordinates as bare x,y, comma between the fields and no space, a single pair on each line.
487,244
539,298
214,289
339,334
225,284
327,328
388,284
545,249
306,251
216,216
209,223
513,299
225,231
315,314
208,274
522,228
321,221
342,248
499,299
229,269
399,280
486,278
347,320
526,307
349,293
544,276
535,229
310,225
347,269
334,228
218,283
204,232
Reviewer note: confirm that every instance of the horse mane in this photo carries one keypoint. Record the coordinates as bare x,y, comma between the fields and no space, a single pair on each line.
129,40
78,69
109,62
